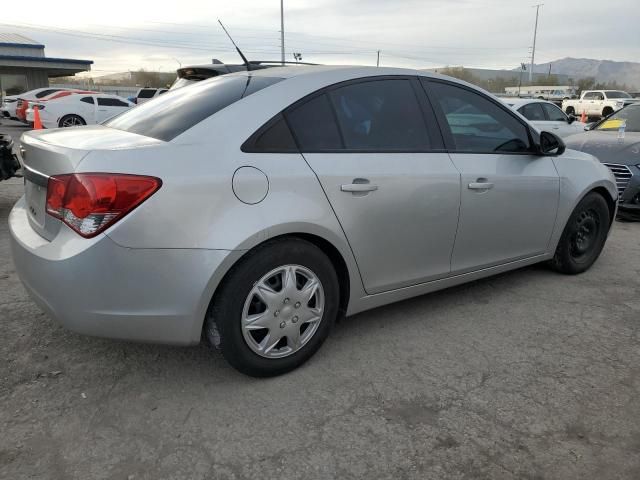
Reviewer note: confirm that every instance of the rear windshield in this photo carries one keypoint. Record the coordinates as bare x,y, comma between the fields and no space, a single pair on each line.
178,110
147,93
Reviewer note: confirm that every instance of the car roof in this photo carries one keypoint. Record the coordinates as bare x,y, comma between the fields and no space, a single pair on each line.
518,102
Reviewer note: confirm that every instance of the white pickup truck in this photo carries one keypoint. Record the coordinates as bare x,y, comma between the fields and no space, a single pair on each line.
597,103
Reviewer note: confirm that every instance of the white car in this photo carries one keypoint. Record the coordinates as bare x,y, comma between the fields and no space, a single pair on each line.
146,94
545,115
79,109
8,107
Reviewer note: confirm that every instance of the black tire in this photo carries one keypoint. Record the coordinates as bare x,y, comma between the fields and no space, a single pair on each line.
606,111
570,111
583,237
227,305
71,118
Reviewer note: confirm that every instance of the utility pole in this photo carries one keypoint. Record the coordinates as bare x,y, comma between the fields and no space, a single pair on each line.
378,60
535,34
282,31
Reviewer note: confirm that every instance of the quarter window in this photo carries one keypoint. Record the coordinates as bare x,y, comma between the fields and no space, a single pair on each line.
380,115
532,111
476,123
314,126
87,100
554,113
147,93
275,136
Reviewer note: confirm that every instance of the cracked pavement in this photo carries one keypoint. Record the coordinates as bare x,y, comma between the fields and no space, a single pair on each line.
528,375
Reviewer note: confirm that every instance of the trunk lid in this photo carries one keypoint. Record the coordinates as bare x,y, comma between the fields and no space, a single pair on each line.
53,152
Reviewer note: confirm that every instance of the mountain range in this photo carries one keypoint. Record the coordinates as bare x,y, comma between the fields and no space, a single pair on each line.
624,73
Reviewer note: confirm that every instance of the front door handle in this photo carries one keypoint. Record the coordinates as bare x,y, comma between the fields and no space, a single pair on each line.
359,185
480,185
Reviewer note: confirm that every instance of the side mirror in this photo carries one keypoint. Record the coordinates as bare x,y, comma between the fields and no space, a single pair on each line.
550,144
572,118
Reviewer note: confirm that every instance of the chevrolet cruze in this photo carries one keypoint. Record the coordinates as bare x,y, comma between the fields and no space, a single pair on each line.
255,208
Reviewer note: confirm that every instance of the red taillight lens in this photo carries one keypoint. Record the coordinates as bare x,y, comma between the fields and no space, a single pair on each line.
91,202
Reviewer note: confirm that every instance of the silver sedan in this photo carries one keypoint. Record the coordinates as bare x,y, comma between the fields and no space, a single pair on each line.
253,209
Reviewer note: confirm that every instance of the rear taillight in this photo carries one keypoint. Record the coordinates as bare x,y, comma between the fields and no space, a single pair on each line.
91,202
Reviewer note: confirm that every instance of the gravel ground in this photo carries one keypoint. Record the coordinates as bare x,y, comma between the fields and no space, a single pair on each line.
528,375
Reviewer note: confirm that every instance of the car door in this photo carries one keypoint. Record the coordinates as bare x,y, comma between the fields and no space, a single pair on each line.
378,154
509,196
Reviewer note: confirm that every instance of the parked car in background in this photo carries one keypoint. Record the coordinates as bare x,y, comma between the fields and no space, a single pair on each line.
30,96
146,94
254,208
79,109
546,116
597,103
8,107
616,142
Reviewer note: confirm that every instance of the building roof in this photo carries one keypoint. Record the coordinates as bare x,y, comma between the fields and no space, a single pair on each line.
17,40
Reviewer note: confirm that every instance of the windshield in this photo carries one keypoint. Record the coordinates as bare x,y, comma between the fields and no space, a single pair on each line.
629,116
616,94
167,116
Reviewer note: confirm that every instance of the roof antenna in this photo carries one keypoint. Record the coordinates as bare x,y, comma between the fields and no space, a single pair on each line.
244,59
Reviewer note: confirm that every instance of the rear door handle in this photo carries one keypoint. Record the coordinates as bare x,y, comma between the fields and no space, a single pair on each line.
480,186
360,185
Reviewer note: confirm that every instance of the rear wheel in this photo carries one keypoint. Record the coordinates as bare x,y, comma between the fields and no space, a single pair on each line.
275,308
71,121
584,236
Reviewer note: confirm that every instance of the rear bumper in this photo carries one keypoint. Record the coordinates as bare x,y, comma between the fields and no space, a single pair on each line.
96,287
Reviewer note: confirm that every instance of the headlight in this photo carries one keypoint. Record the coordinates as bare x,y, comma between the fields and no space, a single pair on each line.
619,104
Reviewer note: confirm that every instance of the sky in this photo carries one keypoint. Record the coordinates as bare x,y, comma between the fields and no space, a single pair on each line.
121,35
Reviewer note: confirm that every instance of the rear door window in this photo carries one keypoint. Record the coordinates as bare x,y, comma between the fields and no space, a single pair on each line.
177,111
532,111
380,115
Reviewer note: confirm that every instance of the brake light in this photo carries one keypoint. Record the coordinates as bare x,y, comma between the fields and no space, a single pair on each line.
89,203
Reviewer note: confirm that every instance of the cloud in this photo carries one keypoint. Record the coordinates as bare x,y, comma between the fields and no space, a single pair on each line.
414,33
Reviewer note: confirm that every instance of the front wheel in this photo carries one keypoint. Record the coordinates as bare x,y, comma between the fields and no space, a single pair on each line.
584,236
570,111
275,308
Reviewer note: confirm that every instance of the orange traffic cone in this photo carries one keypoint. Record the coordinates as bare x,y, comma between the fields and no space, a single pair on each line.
583,117
37,123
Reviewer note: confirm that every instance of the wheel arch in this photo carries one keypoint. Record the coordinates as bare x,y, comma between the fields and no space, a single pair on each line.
608,192
341,259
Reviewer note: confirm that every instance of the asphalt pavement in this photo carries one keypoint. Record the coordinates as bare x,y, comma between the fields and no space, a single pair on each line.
527,375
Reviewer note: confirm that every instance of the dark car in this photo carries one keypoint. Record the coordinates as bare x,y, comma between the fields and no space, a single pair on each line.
615,140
